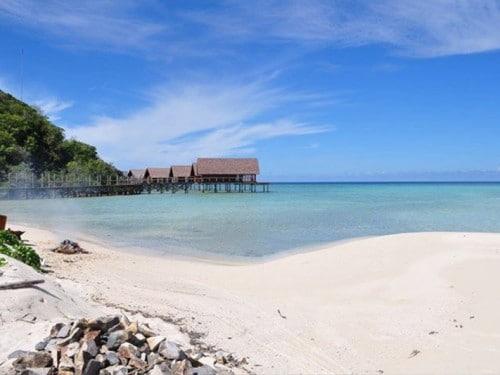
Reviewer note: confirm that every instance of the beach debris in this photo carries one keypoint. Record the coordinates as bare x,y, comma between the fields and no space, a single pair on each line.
21,284
280,314
114,345
471,317
414,353
433,332
69,247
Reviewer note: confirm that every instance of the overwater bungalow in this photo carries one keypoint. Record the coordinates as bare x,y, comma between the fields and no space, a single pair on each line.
226,169
181,173
157,175
136,173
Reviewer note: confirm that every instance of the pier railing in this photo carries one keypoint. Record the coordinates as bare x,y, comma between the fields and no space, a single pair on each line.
53,185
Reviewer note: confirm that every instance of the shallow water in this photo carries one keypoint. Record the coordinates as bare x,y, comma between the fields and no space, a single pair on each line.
291,216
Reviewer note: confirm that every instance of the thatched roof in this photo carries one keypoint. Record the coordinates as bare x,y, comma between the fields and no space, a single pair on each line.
181,170
157,172
226,166
136,173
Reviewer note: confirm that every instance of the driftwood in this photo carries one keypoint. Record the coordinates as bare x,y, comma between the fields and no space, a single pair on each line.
21,284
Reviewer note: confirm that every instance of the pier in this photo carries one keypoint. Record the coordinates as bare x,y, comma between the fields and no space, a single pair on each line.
52,185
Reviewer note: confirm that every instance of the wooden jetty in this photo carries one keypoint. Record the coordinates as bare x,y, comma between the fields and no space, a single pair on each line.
51,185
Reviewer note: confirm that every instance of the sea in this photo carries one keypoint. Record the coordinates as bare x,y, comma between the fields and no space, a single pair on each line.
289,218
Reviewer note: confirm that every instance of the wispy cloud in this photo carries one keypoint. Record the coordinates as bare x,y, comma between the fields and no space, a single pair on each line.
426,28
52,107
415,28
101,23
194,120
49,105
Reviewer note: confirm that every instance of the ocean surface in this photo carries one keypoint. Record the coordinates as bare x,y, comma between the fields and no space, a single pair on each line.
290,217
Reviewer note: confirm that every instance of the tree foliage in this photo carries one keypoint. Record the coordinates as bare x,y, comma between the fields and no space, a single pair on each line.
28,138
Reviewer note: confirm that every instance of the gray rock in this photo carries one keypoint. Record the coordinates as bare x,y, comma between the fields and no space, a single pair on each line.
104,323
116,338
169,350
146,331
90,347
33,359
154,341
75,335
203,370
181,367
37,371
92,368
72,349
17,354
64,331
161,369
112,358
55,329
137,363
42,344
114,370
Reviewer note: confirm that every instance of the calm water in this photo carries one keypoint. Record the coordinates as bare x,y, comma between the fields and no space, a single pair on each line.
254,225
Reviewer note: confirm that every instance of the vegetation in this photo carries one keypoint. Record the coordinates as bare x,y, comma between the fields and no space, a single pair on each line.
3,262
15,248
29,141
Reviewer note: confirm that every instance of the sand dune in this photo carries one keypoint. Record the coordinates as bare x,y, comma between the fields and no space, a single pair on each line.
406,303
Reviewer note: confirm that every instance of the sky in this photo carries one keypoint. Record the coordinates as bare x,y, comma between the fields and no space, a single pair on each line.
317,90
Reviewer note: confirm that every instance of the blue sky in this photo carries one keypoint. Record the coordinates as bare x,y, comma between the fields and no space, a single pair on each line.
317,90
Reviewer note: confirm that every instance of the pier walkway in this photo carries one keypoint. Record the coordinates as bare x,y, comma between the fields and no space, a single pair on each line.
22,186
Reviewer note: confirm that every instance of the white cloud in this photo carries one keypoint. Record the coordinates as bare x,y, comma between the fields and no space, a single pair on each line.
425,28
50,105
105,23
193,120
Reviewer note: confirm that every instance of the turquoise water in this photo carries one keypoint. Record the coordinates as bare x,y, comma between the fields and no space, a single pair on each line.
291,216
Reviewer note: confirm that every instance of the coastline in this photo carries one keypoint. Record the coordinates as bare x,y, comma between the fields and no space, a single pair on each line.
358,306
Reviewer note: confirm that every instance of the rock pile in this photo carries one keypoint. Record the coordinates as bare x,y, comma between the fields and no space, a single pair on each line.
112,345
69,247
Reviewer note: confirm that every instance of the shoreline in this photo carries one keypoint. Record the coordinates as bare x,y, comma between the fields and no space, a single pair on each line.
359,306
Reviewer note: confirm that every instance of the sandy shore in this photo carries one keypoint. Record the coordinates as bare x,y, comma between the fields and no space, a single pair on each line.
408,303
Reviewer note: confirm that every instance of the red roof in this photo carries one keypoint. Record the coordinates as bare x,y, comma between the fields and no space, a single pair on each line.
157,172
181,170
227,166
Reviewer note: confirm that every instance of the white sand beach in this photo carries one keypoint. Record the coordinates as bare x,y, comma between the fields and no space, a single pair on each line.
407,303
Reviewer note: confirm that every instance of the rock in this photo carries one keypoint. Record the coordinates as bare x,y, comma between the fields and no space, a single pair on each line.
153,359
55,329
181,367
209,361
42,344
66,363
72,349
81,359
38,371
161,369
220,357
33,359
90,347
92,335
92,368
116,338
146,331
69,247
154,341
103,323
169,350
114,370
133,328
138,339
75,335
203,370
112,358
17,354
127,350
137,363
64,331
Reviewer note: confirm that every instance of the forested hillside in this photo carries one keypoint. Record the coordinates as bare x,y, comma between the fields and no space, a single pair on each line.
29,141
